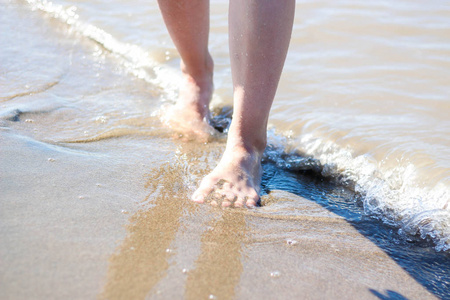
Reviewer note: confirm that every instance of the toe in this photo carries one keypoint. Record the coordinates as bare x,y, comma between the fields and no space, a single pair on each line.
229,200
226,203
252,199
251,203
205,188
240,201
198,197
227,195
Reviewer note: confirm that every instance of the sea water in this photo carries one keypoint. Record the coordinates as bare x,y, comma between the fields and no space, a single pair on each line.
359,125
364,93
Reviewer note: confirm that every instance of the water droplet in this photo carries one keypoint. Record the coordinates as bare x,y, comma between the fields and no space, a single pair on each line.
185,271
275,274
29,121
51,159
212,297
169,250
101,119
81,197
290,242
98,184
124,211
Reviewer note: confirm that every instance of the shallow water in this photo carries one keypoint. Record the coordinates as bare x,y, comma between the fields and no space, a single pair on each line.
359,131
364,91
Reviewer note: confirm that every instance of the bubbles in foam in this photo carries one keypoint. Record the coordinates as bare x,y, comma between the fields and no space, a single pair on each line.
388,195
135,59
275,274
391,196
290,242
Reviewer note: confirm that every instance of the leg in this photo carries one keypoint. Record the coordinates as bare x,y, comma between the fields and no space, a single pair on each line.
260,32
188,24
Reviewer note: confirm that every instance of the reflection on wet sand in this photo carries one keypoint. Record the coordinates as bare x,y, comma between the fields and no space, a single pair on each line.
219,267
142,259
176,249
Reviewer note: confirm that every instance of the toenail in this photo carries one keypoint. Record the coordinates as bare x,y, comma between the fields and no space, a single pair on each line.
226,204
251,204
197,198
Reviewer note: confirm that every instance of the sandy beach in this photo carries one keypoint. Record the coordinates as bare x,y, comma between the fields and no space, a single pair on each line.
129,232
95,198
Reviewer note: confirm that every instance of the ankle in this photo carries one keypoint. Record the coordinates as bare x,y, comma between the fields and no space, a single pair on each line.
253,147
252,141
200,74
197,88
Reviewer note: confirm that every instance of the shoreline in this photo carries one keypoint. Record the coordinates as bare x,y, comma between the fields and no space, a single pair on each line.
56,244
94,199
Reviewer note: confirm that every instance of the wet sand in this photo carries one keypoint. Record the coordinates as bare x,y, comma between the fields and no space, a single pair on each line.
94,204
129,232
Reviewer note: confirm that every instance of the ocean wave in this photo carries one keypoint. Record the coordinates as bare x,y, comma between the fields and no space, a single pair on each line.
419,213
133,58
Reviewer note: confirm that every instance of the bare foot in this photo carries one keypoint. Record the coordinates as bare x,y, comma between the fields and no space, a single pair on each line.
190,116
234,182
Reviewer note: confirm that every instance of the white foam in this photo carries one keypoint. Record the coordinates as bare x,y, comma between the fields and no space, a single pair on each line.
135,59
392,196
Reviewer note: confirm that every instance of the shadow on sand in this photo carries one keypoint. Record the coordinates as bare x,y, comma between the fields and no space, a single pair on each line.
429,268
144,257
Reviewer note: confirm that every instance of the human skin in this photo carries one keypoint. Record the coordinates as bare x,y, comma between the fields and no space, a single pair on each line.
188,24
259,35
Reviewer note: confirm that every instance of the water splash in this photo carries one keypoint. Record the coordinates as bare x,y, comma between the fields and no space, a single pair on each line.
419,213
134,59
